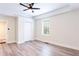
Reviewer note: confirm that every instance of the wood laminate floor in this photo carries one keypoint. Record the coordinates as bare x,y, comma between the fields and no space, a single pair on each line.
35,48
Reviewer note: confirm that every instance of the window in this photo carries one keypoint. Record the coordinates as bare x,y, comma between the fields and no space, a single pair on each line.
45,27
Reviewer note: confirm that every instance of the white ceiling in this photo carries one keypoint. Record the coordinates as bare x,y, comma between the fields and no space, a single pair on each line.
14,9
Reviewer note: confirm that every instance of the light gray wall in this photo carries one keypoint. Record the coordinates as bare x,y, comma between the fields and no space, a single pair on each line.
64,29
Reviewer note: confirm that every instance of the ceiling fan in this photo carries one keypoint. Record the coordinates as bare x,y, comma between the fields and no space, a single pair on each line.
29,6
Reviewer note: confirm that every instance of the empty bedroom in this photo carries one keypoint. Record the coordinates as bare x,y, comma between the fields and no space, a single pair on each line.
39,29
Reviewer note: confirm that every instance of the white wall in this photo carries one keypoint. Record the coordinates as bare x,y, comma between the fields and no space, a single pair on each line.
10,24
21,21
12,31
64,29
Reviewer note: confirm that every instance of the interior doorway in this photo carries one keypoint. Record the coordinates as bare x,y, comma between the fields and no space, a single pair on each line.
3,32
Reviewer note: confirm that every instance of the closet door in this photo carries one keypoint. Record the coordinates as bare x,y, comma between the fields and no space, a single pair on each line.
28,31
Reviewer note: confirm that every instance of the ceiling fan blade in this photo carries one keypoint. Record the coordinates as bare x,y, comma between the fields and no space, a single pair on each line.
32,4
25,9
36,8
23,5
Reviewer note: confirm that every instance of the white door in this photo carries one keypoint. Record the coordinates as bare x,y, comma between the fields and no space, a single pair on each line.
28,31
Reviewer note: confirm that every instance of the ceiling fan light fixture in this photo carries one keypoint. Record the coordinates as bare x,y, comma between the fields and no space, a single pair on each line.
29,7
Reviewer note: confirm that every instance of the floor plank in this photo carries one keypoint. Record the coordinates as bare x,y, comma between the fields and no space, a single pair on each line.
35,48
